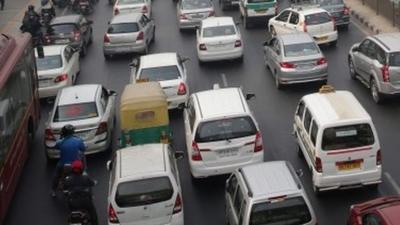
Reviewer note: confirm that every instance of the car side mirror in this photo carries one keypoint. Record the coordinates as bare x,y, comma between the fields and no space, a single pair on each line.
238,23
266,43
109,165
75,49
182,106
179,155
134,63
112,93
277,51
184,59
299,172
250,96
40,51
356,49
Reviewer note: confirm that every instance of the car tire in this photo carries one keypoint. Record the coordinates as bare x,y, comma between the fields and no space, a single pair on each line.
240,59
107,57
278,84
83,50
376,96
333,43
352,70
300,152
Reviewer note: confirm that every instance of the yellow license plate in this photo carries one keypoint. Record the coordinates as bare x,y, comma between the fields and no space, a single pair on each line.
322,38
349,165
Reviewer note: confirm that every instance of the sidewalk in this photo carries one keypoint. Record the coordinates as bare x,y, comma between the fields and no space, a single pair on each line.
368,18
11,16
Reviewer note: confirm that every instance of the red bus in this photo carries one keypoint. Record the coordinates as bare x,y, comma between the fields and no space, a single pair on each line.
19,111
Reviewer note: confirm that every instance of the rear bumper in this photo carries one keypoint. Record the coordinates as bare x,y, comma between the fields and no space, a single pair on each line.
124,48
189,24
326,38
311,75
176,101
389,89
206,56
51,91
176,219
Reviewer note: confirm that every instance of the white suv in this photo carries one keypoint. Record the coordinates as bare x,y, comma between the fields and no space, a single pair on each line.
144,186
313,20
221,132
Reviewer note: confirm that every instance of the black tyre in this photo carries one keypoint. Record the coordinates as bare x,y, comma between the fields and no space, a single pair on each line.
353,73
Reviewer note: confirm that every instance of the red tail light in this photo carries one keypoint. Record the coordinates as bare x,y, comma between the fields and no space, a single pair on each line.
212,13
106,39
183,17
116,11
346,11
378,158
305,26
49,135
318,164
258,145
140,36
144,9
47,39
334,23
196,156
238,43
322,61
287,65
202,47
112,216
77,35
182,89
60,78
102,128
178,204
385,73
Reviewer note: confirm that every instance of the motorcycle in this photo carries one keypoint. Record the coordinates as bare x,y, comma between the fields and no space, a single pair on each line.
46,17
80,217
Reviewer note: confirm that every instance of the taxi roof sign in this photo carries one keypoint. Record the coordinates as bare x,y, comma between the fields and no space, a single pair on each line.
326,89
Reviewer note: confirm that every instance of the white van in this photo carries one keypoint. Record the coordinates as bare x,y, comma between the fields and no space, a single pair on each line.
338,140
267,193
144,186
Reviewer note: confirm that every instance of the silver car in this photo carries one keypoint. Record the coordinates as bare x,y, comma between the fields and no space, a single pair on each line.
376,63
91,109
128,33
295,58
191,12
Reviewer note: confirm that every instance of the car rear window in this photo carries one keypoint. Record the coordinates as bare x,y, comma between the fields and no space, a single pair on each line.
196,4
144,192
301,49
343,137
62,28
119,28
219,31
292,211
127,2
260,1
49,62
160,73
225,129
75,112
318,18
394,59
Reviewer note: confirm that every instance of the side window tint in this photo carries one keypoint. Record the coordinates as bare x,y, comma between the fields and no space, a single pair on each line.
294,18
300,110
314,131
276,47
380,55
284,16
307,120
237,203
364,46
232,185
371,50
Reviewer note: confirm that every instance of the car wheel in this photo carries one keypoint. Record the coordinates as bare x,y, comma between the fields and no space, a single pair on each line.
353,73
299,152
272,30
107,57
83,50
376,96
278,83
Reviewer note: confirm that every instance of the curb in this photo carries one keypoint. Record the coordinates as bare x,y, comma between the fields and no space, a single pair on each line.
365,22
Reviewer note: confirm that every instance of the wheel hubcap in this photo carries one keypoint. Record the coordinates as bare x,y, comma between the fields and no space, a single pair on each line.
374,91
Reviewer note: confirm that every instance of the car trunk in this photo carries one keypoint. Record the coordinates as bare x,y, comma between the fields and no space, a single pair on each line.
62,34
85,129
123,38
170,87
215,44
304,62
47,78
319,25
198,14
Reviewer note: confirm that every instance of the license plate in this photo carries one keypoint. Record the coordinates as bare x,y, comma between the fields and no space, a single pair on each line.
262,11
83,135
61,41
344,166
197,16
324,38
228,152
75,224
44,83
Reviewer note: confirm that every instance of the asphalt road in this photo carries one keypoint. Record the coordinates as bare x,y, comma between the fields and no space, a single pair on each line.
274,110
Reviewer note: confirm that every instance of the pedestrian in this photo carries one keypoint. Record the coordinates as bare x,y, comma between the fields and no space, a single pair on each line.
2,4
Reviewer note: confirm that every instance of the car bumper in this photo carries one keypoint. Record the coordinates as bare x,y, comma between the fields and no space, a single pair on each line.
200,170
124,49
51,91
206,56
295,76
326,38
177,219
230,2
189,24
389,89
176,101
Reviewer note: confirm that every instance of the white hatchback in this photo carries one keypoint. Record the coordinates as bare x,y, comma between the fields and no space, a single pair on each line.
57,69
129,6
169,70
218,38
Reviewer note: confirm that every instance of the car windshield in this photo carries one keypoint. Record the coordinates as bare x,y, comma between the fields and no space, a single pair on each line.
318,18
49,62
144,192
219,31
394,59
127,2
343,137
260,1
225,129
75,112
196,4
160,73
329,2
292,211
301,49
119,28
62,28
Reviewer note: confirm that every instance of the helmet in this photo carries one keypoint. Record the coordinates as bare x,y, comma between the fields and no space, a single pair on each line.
67,130
77,166
31,7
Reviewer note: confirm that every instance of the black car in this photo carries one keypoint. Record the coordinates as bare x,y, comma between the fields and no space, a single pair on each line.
74,30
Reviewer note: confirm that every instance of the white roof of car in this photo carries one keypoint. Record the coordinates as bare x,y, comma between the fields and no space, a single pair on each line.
141,159
270,179
78,94
157,60
308,9
52,50
334,107
217,21
126,18
221,102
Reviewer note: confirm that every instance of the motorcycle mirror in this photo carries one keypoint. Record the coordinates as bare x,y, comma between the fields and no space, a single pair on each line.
40,51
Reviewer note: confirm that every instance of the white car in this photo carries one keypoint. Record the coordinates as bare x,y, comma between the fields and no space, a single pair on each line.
218,38
316,21
91,109
58,69
169,70
128,6
191,12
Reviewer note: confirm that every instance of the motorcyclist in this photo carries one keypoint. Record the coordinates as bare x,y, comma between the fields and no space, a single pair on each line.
31,22
47,6
71,148
78,186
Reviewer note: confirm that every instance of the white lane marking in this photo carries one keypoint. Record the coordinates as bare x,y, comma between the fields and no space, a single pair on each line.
224,80
395,186
64,11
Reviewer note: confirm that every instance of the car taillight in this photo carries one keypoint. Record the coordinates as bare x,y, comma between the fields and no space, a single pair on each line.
202,47
60,78
144,9
178,204
106,39
238,43
47,39
112,216
102,128
346,10
49,135
183,16
182,89
305,26
116,11
385,73
212,13
322,61
77,35
318,164
140,36
334,23
258,145
196,156
378,158
287,65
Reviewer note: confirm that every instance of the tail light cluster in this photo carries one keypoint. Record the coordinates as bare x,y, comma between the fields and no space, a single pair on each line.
116,11
77,35
238,43
102,128
106,39
183,17
47,39
318,164
379,158
385,73
140,36
112,215
145,9
346,11
305,26
181,89
61,78
322,61
258,143
202,47
212,13
287,65
49,135
178,204
196,156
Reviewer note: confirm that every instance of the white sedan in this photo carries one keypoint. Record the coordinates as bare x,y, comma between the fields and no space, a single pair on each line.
218,38
129,6
58,69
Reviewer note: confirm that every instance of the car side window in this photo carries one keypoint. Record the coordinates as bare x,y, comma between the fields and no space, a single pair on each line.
364,46
380,55
307,120
314,132
104,98
284,16
232,186
371,50
237,202
300,110
294,18
68,53
371,219
276,47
